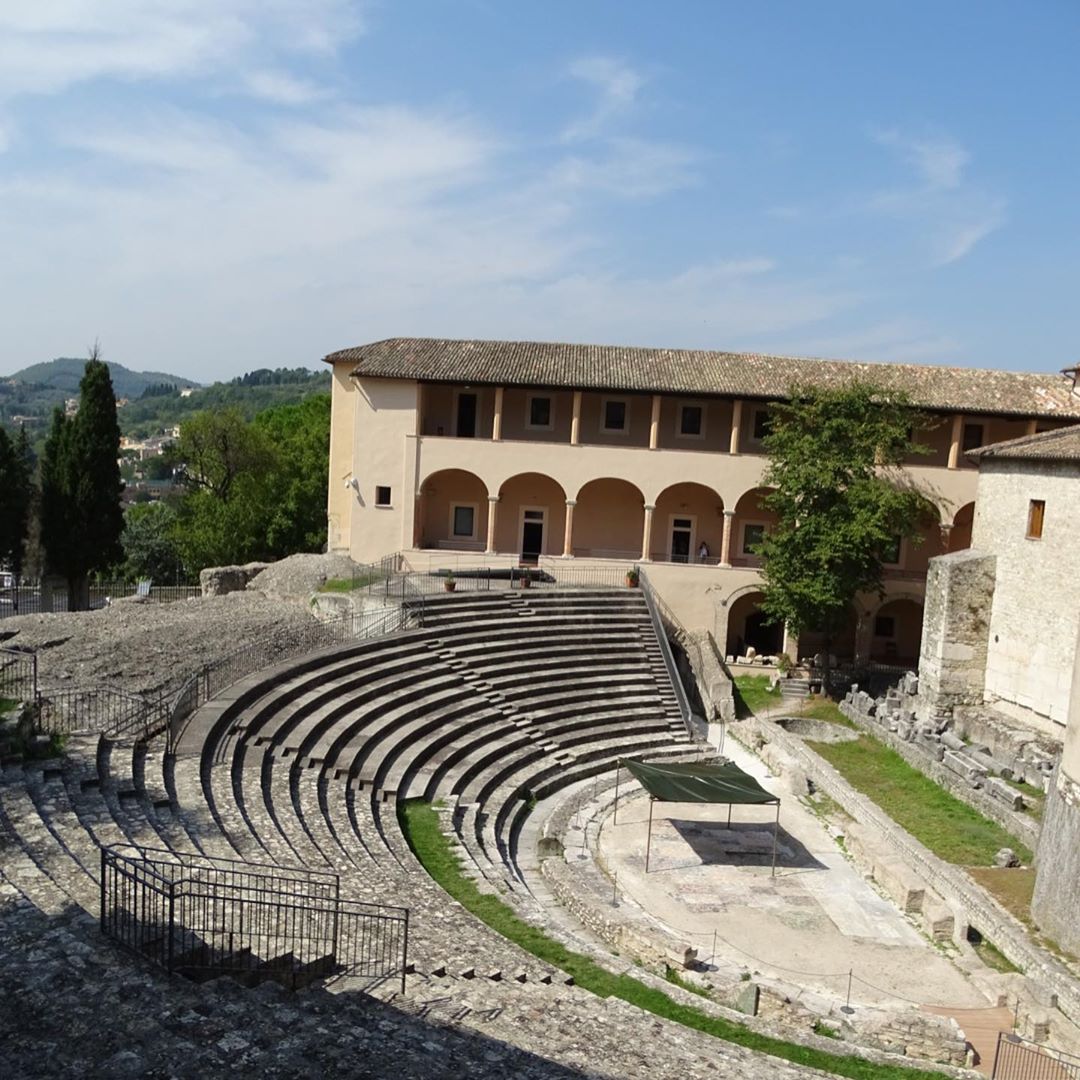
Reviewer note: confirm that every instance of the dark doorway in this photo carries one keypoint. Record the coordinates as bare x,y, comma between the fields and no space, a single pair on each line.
767,639
681,531
466,416
532,535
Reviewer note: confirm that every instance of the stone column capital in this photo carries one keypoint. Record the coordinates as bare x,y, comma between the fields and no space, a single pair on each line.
650,507
494,498
571,503
729,514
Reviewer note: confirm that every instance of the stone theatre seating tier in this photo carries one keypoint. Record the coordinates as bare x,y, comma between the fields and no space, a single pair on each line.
499,699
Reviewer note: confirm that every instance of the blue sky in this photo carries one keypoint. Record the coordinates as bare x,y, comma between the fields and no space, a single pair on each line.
209,186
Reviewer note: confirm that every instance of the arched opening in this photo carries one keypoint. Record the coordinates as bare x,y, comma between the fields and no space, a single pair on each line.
748,628
688,525
751,522
531,516
609,519
453,511
915,554
960,534
897,632
841,644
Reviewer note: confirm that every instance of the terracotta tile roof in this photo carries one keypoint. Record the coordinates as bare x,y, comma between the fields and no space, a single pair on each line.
686,371
1060,445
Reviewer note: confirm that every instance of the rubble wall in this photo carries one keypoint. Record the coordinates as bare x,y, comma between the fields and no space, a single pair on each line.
956,626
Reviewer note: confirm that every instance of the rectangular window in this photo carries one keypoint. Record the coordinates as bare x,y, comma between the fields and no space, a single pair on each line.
752,536
539,412
464,521
613,420
1036,513
692,421
890,556
382,496
885,626
762,423
973,437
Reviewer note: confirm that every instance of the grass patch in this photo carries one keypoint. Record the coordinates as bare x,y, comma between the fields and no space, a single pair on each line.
823,708
420,824
993,957
823,1029
1012,887
1034,797
7,704
348,584
951,829
753,695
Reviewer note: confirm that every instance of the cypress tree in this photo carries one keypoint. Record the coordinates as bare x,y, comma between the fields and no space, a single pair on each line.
81,515
16,497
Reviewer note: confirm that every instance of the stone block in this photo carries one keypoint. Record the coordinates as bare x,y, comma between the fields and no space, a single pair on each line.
953,741
938,918
902,884
219,580
1005,793
963,766
747,999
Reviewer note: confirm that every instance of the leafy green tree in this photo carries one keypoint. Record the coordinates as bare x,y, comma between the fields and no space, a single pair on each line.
841,500
81,516
18,499
254,490
149,543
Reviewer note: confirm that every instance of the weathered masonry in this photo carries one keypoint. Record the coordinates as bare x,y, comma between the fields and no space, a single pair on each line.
461,453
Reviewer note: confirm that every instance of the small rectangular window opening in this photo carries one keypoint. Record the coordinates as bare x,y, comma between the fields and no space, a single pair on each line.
973,437
382,496
891,555
464,521
539,411
762,423
752,536
614,415
1036,513
690,421
885,626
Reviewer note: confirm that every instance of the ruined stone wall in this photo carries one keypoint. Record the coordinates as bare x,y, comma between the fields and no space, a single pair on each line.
1036,607
956,626
1057,885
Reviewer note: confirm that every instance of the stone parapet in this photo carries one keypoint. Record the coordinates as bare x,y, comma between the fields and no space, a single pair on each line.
1054,904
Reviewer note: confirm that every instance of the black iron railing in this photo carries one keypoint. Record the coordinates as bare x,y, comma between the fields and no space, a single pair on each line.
18,675
202,918
1019,1059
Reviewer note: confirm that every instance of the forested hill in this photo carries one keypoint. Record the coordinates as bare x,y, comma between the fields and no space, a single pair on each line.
63,374
251,394
155,400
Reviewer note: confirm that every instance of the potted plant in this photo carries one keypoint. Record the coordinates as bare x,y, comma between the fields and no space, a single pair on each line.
633,577
526,577
449,584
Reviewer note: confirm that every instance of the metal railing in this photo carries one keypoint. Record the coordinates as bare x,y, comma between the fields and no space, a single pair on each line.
18,675
203,917
115,713
695,725
212,678
29,599
1016,1058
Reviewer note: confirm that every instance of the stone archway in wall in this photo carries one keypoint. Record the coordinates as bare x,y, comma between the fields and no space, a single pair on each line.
960,533
844,643
751,520
746,625
453,511
896,632
530,516
687,515
609,520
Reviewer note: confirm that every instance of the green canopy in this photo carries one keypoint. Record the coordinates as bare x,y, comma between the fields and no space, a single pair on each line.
700,782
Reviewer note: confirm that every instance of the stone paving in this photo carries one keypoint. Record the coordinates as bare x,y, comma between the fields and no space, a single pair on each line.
814,921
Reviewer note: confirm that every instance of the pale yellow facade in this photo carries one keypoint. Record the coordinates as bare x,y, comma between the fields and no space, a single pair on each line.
668,482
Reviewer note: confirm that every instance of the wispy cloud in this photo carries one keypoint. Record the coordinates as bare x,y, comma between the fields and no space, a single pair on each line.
952,212
629,168
281,88
617,85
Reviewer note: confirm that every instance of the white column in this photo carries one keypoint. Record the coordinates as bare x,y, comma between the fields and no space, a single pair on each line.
654,423
946,535
736,424
575,420
725,543
496,421
493,508
956,441
568,535
646,539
